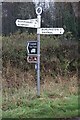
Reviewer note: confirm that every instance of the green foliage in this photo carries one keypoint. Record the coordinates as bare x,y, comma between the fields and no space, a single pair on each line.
58,54
65,17
42,108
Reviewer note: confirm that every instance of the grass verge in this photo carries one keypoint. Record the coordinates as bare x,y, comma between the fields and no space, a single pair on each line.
43,107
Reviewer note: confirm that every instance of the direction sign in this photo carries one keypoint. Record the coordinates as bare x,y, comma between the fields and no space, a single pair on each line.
32,59
32,47
55,31
27,23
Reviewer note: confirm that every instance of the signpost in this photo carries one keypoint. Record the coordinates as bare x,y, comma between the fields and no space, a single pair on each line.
32,51
32,23
32,58
33,47
38,12
55,31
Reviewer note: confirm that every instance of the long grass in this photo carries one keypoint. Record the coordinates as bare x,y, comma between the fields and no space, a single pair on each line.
43,107
57,99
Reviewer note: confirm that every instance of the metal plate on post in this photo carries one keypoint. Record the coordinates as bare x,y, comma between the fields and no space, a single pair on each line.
32,59
32,47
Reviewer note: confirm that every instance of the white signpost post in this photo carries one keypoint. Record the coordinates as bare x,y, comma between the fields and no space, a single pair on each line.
36,23
38,12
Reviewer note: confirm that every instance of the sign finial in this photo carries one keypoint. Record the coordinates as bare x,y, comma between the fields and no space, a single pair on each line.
38,10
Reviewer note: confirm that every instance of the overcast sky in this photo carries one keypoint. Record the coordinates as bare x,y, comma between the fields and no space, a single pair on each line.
39,0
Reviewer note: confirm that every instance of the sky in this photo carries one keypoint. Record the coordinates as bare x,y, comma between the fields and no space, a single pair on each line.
39,0
43,0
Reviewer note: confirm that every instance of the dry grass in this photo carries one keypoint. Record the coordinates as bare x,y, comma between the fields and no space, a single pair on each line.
20,100
61,86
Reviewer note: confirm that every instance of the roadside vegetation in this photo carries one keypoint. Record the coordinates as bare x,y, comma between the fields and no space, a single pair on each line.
59,84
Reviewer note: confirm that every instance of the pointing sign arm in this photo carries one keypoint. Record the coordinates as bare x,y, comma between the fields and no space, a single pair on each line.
50,31
27,23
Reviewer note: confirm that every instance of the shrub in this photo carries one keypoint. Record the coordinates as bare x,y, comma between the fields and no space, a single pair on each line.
58,53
